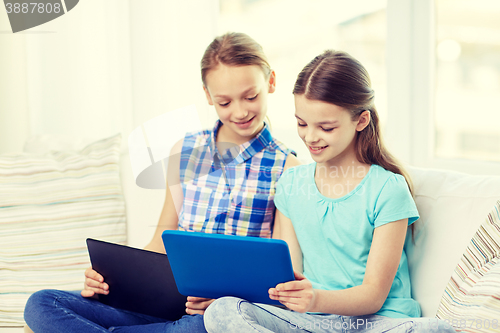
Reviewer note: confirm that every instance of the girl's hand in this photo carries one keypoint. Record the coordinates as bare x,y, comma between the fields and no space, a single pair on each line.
94,284
297,295
197,305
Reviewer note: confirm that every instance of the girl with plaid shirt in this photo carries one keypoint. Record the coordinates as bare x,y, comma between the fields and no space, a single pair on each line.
219,181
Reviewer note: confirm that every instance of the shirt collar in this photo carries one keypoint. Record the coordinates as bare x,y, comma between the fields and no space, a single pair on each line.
247,149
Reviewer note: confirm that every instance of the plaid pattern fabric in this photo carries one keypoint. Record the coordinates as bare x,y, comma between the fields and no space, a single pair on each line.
230,192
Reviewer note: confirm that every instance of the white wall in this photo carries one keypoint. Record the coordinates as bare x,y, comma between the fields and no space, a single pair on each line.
102,68
14,126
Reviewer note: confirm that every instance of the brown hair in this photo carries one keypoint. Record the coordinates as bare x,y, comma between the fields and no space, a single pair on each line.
336,77
233,49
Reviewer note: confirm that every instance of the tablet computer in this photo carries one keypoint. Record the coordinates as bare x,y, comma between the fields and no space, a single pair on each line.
139,280
214,265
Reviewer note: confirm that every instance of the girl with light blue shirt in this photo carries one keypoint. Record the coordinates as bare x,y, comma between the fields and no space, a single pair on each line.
345,219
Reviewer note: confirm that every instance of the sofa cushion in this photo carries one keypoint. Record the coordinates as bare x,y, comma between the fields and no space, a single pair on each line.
472,296
49,205
452,205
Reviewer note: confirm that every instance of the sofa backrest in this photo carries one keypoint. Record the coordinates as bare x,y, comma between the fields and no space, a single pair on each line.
143,206
452,205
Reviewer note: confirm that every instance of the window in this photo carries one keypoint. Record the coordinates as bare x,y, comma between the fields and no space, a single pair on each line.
467,100
438,61
429,123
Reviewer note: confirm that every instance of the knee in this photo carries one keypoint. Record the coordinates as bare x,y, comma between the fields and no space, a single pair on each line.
221,314
37,303
38,299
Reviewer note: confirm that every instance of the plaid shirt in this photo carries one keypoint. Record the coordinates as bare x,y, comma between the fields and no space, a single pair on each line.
231,192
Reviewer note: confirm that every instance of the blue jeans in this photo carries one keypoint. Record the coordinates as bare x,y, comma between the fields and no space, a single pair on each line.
63,311
231,314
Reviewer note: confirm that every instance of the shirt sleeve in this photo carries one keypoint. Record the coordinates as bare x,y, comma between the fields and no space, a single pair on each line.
395,202
281,196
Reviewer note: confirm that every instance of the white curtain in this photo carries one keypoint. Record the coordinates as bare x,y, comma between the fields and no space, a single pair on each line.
102,68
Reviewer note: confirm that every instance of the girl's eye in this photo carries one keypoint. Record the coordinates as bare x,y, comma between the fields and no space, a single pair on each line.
252,98
301,125
224,104
327,129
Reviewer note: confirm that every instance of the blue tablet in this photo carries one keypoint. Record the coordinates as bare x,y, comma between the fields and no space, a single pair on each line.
213,265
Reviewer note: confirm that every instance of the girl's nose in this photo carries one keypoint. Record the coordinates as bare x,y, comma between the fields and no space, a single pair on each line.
310,136
240,112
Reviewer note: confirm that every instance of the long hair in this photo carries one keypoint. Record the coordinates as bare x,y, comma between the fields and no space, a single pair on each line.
335,77
233,49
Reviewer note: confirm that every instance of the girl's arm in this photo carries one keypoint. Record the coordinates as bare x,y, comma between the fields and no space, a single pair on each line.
291,161
173,201
94,282
287,233
383,261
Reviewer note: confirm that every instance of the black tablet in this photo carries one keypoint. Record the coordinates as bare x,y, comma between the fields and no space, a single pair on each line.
139,280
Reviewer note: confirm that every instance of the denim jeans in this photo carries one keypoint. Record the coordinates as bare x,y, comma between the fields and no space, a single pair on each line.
63,311
230,314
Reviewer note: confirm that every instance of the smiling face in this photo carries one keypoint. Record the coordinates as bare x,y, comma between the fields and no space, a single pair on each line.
328,130
239,95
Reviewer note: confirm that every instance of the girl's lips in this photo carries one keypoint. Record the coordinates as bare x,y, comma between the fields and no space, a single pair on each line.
316,150
245,124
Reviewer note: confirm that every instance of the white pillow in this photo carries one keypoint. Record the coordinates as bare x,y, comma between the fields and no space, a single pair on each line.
49,205
45,143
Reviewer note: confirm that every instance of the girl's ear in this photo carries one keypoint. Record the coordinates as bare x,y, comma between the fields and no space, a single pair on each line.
209,98
272,82
363,120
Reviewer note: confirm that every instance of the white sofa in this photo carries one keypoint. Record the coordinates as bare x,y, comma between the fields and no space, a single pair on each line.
451,205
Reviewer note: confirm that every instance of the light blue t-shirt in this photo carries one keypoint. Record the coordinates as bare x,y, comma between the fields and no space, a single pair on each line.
335,235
